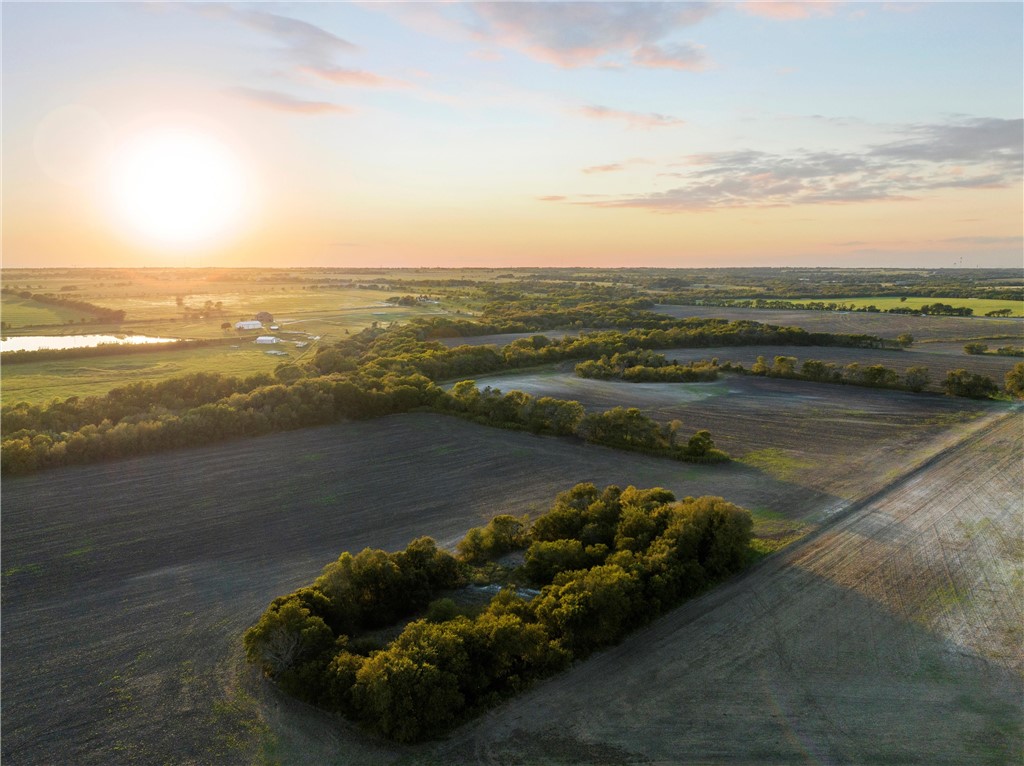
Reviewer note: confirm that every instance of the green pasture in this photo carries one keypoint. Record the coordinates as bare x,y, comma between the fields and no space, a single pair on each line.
981,306
18,312
39,382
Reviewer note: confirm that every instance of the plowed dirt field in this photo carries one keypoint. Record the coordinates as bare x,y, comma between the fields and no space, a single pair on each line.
126,587
842,441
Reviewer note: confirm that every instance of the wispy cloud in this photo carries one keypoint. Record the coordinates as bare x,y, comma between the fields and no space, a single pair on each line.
633,119
611,168
552,198
304,43
354,77
790,11
282,102
682,56
966,154
983,240
309,51
572,34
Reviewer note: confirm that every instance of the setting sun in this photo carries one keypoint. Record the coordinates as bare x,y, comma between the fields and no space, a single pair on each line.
175,187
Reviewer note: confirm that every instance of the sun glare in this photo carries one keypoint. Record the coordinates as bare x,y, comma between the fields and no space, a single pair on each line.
176,187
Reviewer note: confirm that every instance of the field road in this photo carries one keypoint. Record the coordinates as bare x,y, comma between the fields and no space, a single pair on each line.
887,638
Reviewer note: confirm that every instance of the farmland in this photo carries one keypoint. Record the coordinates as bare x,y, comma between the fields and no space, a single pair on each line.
938,358
893,604
891,638
980,306
125,593
924,329
155,578
840,440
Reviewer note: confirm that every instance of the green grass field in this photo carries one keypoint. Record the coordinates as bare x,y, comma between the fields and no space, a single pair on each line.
18,312
981,306
150,298
40,382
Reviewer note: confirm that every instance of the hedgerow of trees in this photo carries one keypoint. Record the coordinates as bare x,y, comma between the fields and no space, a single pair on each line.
605,562
99,313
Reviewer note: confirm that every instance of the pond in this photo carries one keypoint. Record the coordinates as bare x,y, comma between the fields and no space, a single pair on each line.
41,342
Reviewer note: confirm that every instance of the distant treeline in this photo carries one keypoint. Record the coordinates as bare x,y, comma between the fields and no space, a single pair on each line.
100,313
929,309
957,382
606,562
982,348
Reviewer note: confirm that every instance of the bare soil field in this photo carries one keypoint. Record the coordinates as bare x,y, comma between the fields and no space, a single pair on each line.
893,637
126,586
883,325
842,441
939,358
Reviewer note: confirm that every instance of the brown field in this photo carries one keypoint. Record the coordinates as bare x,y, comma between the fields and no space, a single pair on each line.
126,586
842,441
939,358
883,325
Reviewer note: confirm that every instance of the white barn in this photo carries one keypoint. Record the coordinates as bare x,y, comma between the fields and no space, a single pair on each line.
250,324
266,339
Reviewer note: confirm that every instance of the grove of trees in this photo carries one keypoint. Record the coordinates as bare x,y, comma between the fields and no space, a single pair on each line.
601,563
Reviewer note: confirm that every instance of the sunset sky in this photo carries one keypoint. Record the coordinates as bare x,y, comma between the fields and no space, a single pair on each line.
505,134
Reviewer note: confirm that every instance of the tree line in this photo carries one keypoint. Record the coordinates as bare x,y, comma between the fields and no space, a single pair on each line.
620,427
958,382
605,562
645,366
100,313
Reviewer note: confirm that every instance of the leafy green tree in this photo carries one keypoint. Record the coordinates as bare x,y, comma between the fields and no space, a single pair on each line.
287,634
969,384
916,378
545,559
1015,381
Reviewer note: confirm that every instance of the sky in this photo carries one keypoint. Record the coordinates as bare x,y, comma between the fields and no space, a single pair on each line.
513,134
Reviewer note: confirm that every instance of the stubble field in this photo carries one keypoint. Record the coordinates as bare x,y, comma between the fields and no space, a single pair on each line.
842,441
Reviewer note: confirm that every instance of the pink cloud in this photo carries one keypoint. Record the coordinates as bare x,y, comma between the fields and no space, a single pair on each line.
611,168
789,11
282,102
552,198
354,77
634,119
566,34
684,56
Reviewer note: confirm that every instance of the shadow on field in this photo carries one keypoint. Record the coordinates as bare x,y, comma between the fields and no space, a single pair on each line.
791,670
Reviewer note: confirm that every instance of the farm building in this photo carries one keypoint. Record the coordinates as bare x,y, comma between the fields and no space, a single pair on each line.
249,325
267,339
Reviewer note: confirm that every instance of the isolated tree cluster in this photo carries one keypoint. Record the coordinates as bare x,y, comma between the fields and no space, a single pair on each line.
600,562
